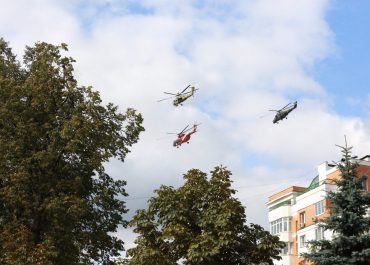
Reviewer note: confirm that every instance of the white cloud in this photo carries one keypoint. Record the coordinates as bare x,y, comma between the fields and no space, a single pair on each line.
247,57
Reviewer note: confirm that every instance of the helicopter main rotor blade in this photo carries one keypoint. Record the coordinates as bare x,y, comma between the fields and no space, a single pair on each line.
172,133
291,106
166,98
170,93
266,115
286,106
184,129
191,127
187,130
184,89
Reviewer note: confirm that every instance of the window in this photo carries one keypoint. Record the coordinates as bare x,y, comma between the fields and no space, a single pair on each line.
364,185
319,208
303,217
281,225
291,248
319,233
302,240
286,248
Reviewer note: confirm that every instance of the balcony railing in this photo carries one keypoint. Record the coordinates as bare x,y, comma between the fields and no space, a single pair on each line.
311,187
284,203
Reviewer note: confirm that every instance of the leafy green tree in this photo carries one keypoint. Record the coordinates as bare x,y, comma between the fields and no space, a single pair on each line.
57,204
348,220
200,223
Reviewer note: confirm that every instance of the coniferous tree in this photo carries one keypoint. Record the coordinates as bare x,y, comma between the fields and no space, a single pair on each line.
57,204
200,223
348,220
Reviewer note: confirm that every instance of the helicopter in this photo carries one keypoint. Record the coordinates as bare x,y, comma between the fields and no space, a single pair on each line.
181,97
283,113
183,137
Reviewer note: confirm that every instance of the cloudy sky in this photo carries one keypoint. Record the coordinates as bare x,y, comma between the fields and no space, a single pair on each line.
246,57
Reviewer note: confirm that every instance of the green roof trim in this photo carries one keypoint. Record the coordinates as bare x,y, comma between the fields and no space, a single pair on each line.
314,184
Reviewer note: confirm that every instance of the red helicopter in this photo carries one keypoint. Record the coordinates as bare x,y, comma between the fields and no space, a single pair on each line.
183,137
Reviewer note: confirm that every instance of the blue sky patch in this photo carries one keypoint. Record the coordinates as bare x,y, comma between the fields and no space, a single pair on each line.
347,76
88,12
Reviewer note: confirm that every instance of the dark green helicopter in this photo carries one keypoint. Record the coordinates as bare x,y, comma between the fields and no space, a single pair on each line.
284,112
182,96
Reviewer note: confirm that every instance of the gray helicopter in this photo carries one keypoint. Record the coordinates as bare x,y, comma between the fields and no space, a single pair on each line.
182,96
283,113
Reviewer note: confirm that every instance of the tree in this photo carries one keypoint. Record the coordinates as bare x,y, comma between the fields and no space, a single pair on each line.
348,220
200,223
57,204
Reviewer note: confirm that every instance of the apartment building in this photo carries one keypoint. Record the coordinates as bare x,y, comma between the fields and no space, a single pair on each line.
294,213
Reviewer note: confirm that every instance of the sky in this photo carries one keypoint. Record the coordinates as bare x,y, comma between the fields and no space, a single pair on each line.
246,57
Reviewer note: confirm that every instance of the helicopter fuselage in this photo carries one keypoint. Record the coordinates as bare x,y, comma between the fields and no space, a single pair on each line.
183,138
283,114
179,99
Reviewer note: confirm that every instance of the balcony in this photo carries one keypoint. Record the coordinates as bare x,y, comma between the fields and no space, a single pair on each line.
284,203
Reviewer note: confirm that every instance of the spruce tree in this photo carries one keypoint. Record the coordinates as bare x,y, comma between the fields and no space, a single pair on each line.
349,220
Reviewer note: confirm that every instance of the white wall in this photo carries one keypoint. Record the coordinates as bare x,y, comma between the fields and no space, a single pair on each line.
283,211
311,197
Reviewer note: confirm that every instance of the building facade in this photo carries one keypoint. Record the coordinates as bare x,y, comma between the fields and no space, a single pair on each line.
294,213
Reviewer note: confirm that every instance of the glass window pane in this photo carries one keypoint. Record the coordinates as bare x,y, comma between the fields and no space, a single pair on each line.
286,248
285,225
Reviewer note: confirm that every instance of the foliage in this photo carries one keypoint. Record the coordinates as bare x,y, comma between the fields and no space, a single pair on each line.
348,220
57,205
122,261
200,223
